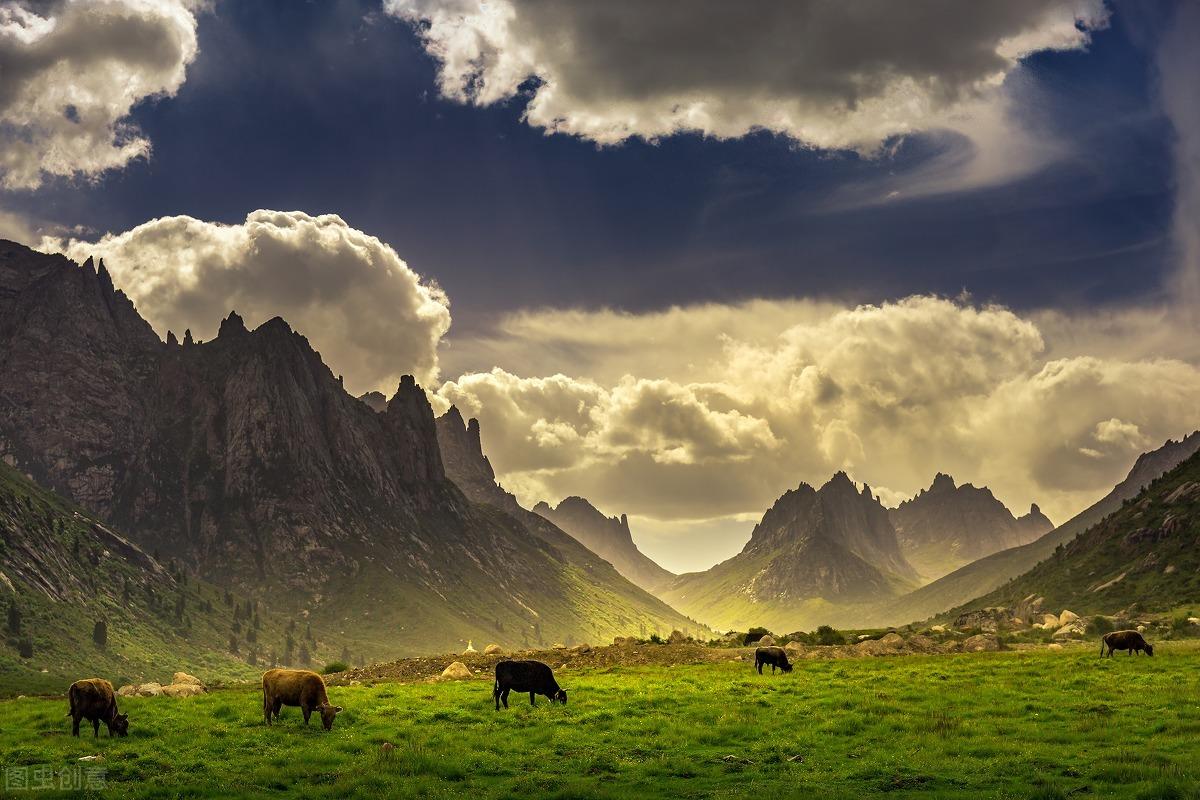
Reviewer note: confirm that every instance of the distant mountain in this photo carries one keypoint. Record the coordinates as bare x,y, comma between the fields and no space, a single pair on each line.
813,551
469,468
947,526
1143,555
245,459
62,571
376,401
989,573
608,537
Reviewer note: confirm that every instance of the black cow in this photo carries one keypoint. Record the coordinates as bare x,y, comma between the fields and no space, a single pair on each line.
93,699
1125,640
775,656
526,676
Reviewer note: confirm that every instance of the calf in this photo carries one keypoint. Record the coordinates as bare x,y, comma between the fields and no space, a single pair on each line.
297,687
1125,640
94,699
775,656
526,676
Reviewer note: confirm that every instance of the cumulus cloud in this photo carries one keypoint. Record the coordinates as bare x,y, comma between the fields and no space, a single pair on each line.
828,75
371,316
716,425
71,72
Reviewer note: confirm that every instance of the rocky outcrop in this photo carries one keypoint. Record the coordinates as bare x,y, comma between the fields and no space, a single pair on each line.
607,537
946,526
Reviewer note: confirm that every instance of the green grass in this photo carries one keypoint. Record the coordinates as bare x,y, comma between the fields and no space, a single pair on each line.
1016,724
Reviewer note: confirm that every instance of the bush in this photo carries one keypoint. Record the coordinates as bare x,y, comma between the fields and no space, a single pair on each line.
754,634
100,634
1100,625
335,666
656,639
828,636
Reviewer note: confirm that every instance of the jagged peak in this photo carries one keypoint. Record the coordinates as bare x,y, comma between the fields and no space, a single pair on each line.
231,325
188,341
454,416
89,264
171,340
275,325
943,482
106,282
1034,508
473,435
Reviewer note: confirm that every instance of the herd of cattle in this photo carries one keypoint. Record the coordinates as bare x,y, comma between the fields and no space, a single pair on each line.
93,699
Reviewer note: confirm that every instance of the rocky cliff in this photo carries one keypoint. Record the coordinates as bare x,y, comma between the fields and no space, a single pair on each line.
608,537
947,526
815,549
245,458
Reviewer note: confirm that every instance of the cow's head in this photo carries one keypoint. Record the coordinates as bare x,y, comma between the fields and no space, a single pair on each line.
1149,649
328,712
560,696
786,667
119,725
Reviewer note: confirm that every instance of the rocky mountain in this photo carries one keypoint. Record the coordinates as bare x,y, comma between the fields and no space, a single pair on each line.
989,573
62,572
947,526
245,459
813,551
469,468
1143,557
608,537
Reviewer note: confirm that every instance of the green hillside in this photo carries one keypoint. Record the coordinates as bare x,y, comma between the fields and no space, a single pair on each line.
1144,554
62,571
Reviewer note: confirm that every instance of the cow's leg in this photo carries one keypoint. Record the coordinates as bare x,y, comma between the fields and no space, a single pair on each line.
758,666
75,724
504,697
96,729
307,713
531,702
267,708
496,696
276,709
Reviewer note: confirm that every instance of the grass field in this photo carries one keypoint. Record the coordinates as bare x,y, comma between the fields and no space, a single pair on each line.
1012,724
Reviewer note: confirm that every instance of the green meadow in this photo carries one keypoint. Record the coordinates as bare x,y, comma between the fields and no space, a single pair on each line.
1030,723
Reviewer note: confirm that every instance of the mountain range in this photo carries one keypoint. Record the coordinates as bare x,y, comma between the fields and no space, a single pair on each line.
245,459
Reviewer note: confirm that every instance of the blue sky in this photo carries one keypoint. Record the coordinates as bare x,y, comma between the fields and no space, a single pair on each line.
696,290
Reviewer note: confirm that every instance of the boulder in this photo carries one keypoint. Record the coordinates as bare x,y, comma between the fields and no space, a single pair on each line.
1029,608
558,646
583,647
456,672
981,643
182,690
1050,621
1054,646
183,677
150,690
1141,628
1194,620
938,628
1067,617
624,641
988,620
922,644
677,637
493,650
794,648
766,641
1076,628
128,690
890,644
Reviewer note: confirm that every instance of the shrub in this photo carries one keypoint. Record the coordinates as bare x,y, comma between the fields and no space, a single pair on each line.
100,634
335,666
656,639
754,634
826,635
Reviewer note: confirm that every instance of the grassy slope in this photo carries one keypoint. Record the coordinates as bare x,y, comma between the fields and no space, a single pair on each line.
1017,724
143,643
1157,557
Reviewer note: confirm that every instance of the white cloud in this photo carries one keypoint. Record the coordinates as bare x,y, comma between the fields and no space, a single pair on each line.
828,75
708,424
71,72
371,316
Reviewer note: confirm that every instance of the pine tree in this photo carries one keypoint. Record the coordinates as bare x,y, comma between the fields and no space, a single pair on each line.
233,644
288,647
14,619
100,634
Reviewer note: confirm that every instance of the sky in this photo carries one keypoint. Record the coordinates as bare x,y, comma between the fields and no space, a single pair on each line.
677,257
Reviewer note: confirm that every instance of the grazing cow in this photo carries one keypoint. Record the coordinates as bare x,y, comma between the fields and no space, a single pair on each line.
775,656
526,676
94,699
1125,640
297,687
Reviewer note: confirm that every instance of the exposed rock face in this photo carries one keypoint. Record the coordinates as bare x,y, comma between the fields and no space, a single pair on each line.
946,526
607,537
812,548
245,458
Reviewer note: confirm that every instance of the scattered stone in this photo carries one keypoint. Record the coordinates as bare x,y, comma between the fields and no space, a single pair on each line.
1054,646
796,758
938,628
583,647
1050,621
91,758
922,644
1194,620
558,646
182,690
1076,628
128,690
1141,628
183,677
981,643
149,690
456,672
493,650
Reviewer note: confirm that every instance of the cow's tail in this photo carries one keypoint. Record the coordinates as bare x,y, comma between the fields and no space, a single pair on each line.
71,700
1101,645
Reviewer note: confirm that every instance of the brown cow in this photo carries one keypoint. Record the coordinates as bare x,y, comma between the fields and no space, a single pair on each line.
1125,640
94,699
297,687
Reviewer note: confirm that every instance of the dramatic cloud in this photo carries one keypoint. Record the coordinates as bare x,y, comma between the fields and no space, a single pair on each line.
717,424
70,73
828,75
1179,63
370,315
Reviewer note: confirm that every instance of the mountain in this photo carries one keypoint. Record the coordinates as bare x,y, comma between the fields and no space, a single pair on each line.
1143,555
813,551
62,571
245,459
989,573
947,526
608,537
469,468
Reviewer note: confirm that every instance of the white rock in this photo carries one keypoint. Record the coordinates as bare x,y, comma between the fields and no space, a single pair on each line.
1067,617
183,677
1054,646
493,650
456,672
